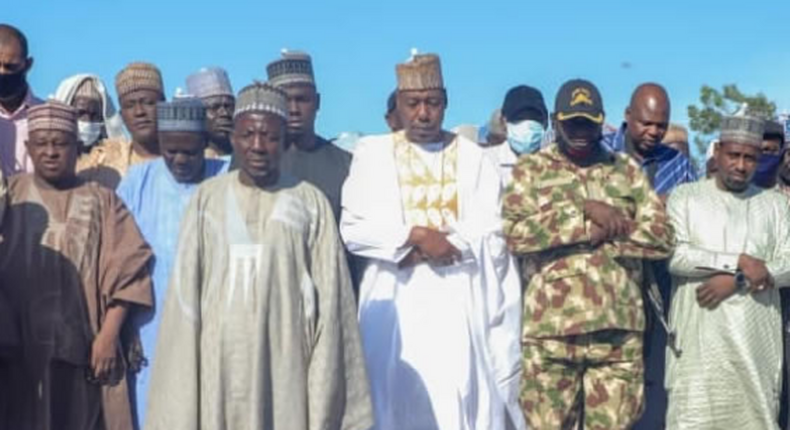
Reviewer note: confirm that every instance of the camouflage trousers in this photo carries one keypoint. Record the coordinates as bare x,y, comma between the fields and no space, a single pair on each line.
596,377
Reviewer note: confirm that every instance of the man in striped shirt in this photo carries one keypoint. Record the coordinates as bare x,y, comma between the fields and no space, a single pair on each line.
640,136
646,123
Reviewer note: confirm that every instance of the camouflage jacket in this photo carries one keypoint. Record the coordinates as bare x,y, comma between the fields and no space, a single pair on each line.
577,288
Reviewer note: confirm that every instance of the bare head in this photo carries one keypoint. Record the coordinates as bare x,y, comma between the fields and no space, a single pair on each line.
648,117
15,63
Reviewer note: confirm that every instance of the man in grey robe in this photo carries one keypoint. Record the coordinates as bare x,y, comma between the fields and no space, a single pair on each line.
259,328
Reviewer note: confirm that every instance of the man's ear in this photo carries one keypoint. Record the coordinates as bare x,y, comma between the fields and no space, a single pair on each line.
317,101
29,64
628,114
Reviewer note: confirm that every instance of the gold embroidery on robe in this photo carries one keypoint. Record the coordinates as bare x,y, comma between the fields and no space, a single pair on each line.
427,200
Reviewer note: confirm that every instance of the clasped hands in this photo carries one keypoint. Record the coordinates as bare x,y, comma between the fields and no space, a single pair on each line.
430,246
608,222
720,287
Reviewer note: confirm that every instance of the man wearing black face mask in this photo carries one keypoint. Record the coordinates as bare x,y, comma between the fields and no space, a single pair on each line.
15,100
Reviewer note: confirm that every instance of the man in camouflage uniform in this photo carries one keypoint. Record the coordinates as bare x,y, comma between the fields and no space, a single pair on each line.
589,217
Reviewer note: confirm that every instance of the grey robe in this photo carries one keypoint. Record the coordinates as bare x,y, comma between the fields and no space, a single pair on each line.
259,328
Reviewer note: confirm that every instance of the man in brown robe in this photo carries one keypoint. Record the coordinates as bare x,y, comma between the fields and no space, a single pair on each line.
73,266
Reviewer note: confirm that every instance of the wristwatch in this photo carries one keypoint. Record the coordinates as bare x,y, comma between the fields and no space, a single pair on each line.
741,282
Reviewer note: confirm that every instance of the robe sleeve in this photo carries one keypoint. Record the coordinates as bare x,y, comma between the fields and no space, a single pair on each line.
125,260
530,227
496,327
481,217
653,238
689,260
338,390
174,393
125,191
364,232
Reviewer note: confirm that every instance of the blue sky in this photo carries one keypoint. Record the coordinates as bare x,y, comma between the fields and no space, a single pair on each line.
486,46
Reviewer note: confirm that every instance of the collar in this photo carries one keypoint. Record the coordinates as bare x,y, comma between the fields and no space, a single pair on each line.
28,101
554,153
660,153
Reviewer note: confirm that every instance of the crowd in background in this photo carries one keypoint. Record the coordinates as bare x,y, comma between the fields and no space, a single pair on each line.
212,262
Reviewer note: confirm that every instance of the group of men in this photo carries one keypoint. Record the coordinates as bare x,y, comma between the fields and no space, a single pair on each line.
211,262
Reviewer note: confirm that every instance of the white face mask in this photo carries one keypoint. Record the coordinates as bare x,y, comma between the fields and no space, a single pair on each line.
525,136
89,132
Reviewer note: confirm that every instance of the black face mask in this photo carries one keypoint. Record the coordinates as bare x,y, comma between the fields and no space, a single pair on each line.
11,84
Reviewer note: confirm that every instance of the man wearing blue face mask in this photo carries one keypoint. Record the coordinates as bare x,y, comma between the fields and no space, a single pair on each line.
525,116
771,158
773,171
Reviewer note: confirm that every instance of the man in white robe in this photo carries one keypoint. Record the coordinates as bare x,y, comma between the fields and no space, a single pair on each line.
440,298
733,252
259,330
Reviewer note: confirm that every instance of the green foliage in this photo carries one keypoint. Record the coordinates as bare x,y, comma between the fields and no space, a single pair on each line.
706,118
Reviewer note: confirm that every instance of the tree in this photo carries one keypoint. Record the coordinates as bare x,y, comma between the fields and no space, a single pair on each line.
706,119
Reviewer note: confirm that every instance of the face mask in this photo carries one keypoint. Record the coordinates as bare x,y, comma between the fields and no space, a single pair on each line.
524,137
12,83
89,132
767,167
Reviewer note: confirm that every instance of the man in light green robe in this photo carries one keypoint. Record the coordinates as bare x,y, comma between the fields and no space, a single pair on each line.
259,328
733,253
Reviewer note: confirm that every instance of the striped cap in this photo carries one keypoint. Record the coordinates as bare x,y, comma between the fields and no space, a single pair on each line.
181,114
262,97
209,82
746,130
52,115
87,89
139,76
421,72
294,67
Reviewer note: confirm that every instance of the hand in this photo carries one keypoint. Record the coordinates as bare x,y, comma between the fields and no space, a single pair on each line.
103,356
611,220
413,258
755,271
715,290
597,235
434,246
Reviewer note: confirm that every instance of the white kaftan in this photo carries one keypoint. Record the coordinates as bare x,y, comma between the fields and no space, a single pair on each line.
729,374
441,344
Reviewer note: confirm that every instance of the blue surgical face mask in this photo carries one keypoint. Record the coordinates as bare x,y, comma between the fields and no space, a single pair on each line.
524,137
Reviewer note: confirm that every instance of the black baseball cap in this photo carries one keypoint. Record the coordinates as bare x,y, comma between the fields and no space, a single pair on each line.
578,98
520,100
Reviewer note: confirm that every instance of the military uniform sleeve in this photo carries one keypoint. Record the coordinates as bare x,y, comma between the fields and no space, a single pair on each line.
532,227
653,236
